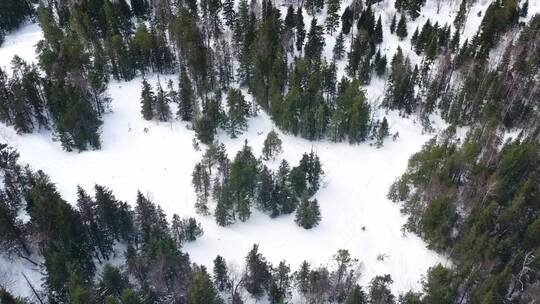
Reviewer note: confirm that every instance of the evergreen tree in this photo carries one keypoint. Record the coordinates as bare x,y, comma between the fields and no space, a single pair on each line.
221,277
379,290
357,296
229,13
393,24
186,107
257,277
378,34
347,20
102,240
201,183
300,30
147,100
459,20
308,214
332,15
382,132
290,18
237,113
400,92
243,181
339,48
380,68
438,286
162,109
112,283
401,29
201,290
264,196
141,48
280,287
271,146
315,42
13,13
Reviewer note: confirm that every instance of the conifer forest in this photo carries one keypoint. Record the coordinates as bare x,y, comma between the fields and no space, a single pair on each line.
269,151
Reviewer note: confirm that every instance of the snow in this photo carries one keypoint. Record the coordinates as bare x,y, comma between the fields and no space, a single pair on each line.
22,43
12,272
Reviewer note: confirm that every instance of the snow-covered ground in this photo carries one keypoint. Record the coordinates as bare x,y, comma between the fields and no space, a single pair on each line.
356,214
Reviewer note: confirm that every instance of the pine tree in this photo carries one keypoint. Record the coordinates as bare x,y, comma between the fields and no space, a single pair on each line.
13,13
401,29
221,276
147,101
257,277
201,183
459,20
308,214
380,68
223,213
346,20
237,112
280,287
414,38
302,278
229,13
379,290
97,231
272,145
300,30
162,109
201,290
454,43
382,132
112,283
339,48
393,24
290,18
332,15
315,41
265,187
357,296
378,34
187,105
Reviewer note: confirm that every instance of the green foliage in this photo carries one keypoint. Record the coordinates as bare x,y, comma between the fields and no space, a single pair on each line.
356,296
308,214
237,112
201,290
401,29
271,146
438,286
13,13
221,279
257,276
499,190
379,290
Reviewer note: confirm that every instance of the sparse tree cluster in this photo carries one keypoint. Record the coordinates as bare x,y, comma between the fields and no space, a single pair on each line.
245,182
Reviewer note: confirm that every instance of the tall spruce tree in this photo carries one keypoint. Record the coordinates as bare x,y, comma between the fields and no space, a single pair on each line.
401,29
308,214
148,101
237,113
